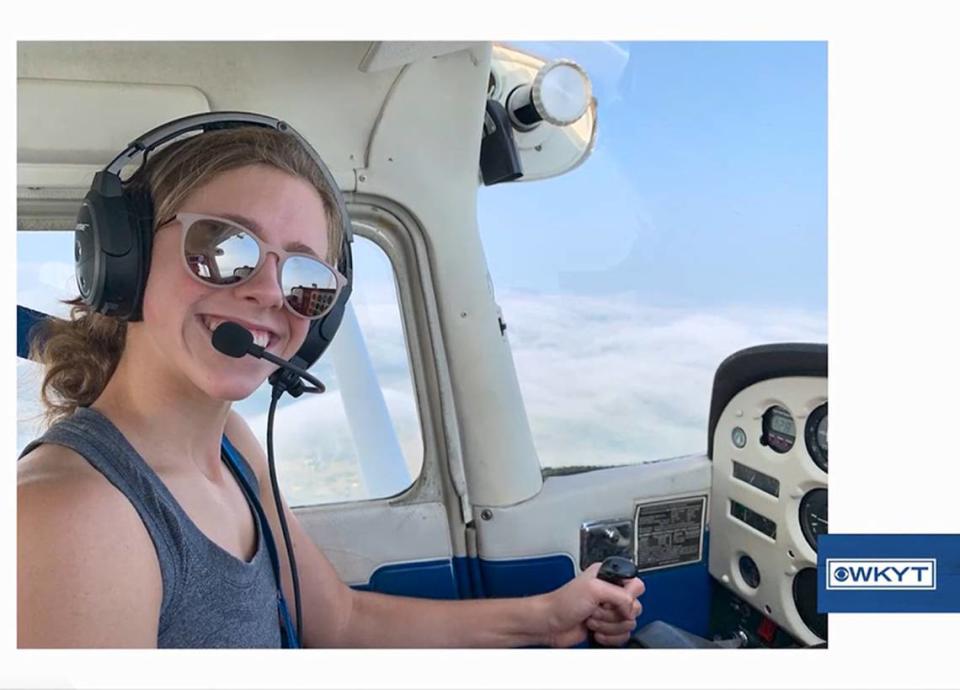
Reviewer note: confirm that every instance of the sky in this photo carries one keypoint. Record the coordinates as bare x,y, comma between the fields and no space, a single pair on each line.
707,184
696,228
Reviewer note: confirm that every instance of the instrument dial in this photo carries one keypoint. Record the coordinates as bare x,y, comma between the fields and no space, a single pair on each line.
739,437
805,599
779,430
813,515
749,571
815,435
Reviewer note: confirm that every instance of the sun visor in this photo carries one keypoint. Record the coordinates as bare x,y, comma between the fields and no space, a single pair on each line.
67,130
88,122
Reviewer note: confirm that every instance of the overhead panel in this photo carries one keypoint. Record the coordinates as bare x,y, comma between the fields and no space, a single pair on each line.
81,102
391,54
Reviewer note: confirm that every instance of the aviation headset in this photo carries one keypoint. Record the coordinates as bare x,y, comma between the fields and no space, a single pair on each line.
114,230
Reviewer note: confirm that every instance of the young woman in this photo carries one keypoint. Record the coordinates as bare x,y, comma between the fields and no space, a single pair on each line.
132,531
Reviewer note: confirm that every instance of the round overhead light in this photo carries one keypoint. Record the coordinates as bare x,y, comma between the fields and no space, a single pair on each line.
560,94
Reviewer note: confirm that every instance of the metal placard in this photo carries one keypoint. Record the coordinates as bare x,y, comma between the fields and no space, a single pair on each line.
669,532
603,538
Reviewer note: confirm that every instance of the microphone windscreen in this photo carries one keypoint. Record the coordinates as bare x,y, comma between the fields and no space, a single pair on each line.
232,339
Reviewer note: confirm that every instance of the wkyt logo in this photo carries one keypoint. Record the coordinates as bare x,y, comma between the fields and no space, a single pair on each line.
890,573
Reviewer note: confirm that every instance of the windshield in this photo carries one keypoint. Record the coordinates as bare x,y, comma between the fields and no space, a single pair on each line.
697,227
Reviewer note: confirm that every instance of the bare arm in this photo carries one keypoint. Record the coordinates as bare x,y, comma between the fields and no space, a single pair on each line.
87,571
380,620
561,618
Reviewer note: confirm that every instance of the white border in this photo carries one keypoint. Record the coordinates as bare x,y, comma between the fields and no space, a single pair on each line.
893,147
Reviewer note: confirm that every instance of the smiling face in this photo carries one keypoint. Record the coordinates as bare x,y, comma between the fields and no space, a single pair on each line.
179,312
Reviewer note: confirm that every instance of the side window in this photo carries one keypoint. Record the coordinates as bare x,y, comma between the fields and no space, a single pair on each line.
321,456
45,276
697,227
319,459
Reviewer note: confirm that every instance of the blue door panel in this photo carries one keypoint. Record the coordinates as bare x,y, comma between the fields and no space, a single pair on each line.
680,595
523,577
426,579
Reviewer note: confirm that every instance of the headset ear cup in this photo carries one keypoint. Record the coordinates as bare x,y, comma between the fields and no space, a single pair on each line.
87,254
139,205
330,323
108,250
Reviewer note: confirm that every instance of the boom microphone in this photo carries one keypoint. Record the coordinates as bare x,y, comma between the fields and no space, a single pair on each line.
234,340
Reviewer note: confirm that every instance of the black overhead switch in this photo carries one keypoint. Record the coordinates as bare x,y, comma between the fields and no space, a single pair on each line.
499,158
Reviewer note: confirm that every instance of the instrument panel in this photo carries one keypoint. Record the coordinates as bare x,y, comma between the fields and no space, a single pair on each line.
769,497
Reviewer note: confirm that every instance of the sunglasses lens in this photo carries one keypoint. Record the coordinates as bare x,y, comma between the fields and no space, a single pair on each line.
219,253
309,286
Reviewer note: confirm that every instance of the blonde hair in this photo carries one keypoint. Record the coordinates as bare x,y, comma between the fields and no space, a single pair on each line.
79,355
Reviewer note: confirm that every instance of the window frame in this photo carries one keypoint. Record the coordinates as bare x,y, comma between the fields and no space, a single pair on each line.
442,477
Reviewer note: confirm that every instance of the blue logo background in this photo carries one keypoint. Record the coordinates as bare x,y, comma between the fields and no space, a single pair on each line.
945,548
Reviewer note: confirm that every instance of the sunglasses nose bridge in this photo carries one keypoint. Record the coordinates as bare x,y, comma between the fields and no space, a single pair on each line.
264,284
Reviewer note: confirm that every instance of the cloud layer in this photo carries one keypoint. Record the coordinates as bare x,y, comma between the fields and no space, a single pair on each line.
605,380
610,380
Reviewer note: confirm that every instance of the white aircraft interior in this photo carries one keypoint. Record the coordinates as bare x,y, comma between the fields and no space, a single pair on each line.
725,540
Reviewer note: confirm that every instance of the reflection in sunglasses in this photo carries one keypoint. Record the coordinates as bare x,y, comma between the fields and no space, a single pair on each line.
201,266
311,300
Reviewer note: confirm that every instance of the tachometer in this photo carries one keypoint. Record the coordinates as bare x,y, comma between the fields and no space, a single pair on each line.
813,515
815,434
805,599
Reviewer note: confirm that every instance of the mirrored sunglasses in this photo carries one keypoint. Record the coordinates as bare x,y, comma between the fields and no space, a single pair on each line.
222,253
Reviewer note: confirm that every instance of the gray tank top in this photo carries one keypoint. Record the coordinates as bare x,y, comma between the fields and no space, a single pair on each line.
210,597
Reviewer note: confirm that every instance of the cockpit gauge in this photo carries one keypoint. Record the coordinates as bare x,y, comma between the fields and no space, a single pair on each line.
813,516
739,437
749,571
805,599
778,430
815,434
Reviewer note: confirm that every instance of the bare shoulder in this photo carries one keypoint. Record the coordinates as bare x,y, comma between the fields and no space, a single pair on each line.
88,574
53,480
51,463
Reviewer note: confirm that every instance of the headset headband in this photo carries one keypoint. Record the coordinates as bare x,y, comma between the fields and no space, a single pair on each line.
207,122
